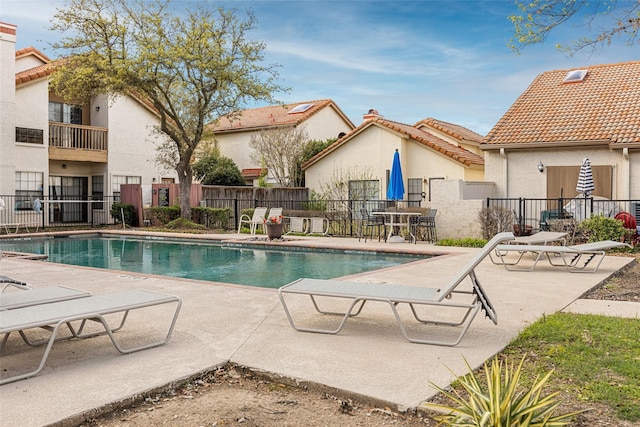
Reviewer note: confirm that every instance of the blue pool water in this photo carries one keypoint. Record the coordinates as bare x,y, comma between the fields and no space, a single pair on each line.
270,268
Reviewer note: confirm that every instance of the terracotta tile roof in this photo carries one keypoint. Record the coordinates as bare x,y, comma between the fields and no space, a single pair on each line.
34,73
252,172
273,116
604,107
32,51
455,131
420,136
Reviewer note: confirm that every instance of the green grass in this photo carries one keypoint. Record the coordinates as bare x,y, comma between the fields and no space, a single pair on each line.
596,358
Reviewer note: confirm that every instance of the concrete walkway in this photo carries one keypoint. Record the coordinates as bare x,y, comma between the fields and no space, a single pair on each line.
222,323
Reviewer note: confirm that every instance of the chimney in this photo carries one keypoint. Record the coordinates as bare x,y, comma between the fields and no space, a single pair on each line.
371,115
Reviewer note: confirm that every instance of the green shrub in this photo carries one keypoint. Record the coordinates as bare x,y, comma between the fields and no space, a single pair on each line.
599,228
183,224
501,399
161,215
211,217
467,242
129,211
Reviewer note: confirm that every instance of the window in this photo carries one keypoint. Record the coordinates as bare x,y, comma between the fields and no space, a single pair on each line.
414,192
575,76
97,191
300,108
118,180
65,113
31,136
28,189
364,195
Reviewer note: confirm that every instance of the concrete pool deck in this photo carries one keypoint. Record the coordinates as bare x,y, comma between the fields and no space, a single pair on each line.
221,323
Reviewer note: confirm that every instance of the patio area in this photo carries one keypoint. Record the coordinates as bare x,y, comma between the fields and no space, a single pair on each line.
221,323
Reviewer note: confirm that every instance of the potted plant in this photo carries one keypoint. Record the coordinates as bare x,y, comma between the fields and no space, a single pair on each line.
274,225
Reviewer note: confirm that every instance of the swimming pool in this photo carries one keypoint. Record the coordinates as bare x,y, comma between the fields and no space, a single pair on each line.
251,266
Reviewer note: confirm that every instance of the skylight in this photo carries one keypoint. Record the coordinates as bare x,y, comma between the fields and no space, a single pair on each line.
300,108
575,76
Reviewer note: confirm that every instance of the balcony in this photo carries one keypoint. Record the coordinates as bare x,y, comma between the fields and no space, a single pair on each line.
77,143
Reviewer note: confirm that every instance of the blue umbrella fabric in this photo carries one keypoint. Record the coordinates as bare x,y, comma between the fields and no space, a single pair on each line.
585,179
395,191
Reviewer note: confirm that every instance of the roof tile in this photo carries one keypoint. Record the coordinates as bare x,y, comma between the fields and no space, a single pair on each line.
271,116
420,136
605,106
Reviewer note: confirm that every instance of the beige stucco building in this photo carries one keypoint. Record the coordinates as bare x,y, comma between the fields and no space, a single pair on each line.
52,148
320,119
536,149
429,150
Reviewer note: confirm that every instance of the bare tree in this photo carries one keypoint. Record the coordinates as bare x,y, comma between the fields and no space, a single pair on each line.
604,19
281,151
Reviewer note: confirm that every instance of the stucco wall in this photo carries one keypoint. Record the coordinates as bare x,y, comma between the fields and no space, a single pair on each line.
323,125
517,175
132,147
7,109
456,218
372,150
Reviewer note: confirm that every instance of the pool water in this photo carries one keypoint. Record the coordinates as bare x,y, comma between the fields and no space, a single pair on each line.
269,268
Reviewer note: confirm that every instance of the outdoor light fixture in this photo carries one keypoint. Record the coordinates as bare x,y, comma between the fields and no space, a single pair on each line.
97,108
540,167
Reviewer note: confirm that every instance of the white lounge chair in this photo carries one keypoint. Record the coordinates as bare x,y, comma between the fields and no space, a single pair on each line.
297,225
253,221
575,258
318,226
35,296
359,293
53,316
539,238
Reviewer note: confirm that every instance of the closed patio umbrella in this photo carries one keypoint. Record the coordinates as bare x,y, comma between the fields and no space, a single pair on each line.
395,190
585,179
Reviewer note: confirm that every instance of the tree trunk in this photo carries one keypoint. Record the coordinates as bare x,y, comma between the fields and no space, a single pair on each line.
186,179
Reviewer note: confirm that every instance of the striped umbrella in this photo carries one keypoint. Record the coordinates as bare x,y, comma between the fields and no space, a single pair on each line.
585,179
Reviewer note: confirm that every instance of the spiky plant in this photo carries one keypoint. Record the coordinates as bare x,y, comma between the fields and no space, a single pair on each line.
502,402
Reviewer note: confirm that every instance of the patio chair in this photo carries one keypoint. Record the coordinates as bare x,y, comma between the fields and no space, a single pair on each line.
253,221
318,225
424,225
297,225
575,258
371,222
51,317
395,295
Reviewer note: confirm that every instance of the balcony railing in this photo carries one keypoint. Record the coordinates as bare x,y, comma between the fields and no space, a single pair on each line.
63,135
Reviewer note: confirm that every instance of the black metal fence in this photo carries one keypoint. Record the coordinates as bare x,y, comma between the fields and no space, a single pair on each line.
344,215
534,214
33,213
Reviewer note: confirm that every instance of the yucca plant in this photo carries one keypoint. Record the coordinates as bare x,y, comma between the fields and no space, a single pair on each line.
502,402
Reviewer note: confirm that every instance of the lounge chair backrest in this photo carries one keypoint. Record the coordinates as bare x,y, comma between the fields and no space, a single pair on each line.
473,263
274,212
600,246
318,225
258,215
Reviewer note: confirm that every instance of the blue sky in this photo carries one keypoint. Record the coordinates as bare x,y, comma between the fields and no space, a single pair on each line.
408,59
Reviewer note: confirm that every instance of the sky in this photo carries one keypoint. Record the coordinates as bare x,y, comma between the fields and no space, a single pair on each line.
409,60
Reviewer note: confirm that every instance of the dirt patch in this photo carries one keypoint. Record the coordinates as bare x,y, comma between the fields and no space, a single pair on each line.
233,396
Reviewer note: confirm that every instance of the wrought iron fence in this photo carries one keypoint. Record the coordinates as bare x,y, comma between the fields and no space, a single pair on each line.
534,214
29,212
344,215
